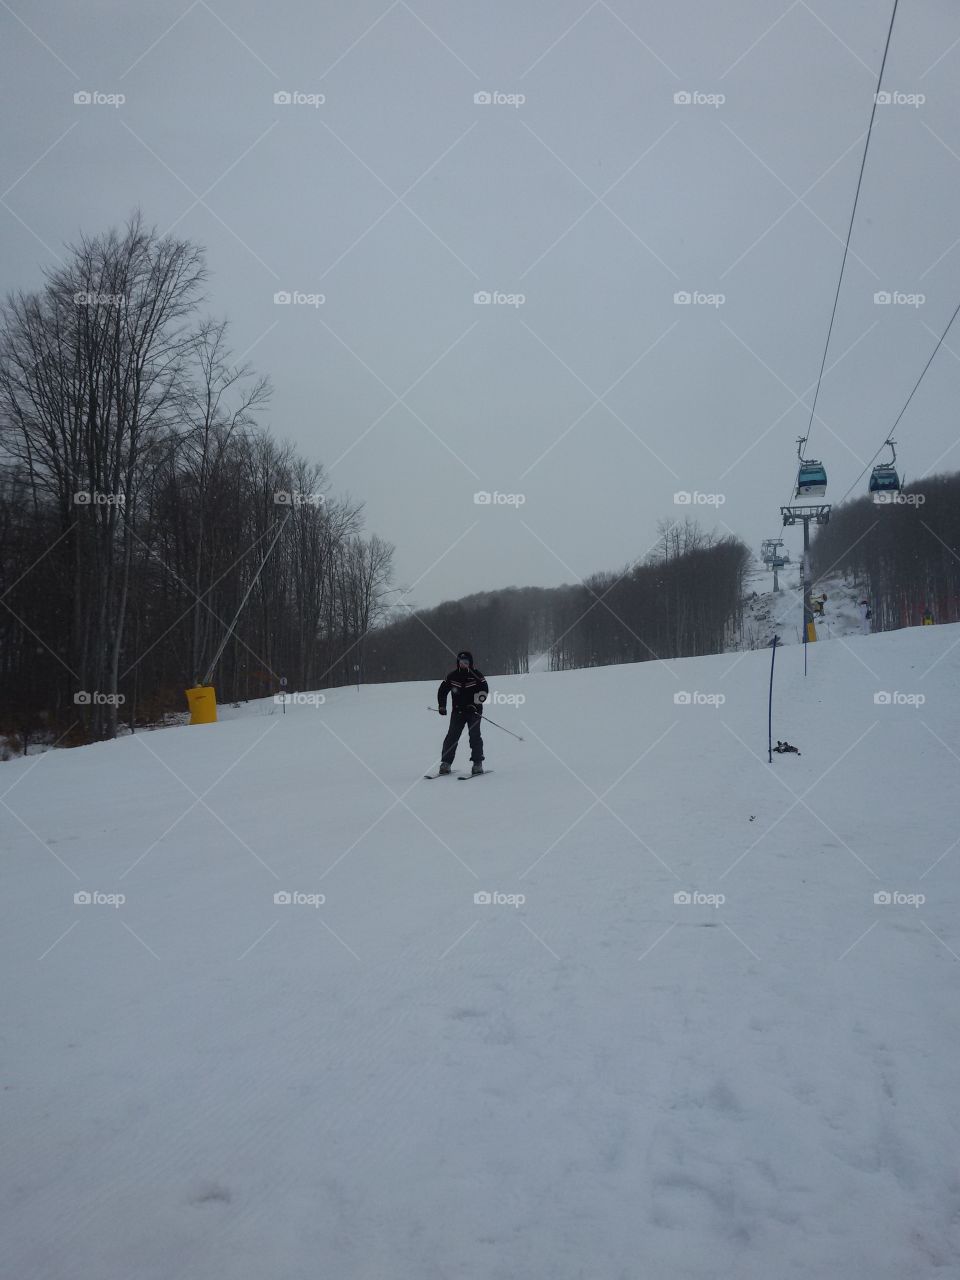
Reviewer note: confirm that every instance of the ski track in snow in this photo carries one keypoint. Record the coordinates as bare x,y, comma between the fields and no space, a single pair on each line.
597,1082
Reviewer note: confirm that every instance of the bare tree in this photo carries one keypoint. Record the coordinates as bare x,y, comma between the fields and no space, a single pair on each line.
88,374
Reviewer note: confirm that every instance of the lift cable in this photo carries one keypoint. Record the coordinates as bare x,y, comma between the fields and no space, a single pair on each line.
853,212
909,398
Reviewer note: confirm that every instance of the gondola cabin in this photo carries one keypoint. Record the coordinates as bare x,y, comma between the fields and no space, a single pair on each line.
884,479
811,479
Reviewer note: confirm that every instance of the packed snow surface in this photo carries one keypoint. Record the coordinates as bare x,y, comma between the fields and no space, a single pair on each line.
587,1077
767,612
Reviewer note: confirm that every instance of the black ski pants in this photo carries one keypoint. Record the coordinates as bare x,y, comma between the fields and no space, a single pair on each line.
459,719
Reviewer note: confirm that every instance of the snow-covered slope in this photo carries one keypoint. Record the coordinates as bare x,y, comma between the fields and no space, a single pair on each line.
766,612
600,1080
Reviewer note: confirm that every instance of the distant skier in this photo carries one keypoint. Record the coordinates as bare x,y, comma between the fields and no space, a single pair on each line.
927,619
468,691
864,607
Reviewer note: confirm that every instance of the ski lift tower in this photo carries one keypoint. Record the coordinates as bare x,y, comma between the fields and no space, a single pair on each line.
818,513
774,558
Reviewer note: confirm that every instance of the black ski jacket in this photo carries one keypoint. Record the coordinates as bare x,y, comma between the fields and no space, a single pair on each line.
467,689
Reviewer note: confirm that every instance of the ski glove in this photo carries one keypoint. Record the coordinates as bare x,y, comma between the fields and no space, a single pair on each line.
442,710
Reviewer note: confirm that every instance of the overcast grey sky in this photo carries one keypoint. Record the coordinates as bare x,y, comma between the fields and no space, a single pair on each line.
598,198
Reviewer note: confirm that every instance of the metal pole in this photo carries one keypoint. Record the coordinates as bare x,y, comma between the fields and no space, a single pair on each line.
807,606
487,720
773,658
820,513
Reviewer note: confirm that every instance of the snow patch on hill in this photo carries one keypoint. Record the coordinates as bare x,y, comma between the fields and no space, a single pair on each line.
766,612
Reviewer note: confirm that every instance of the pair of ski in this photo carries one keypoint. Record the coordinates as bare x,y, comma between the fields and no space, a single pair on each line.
461,777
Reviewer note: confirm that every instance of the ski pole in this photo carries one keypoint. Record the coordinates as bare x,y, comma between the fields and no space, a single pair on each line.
487,720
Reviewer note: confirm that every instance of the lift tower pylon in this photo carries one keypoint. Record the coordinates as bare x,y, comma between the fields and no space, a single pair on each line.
818,513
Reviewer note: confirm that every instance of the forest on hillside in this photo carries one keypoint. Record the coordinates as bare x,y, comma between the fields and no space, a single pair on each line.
904,550
139,496
680,600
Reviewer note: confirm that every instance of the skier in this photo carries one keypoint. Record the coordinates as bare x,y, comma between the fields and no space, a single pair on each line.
864,607
468,692
927,619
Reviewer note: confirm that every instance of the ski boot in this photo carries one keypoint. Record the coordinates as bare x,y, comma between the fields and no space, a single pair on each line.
477,767
444,768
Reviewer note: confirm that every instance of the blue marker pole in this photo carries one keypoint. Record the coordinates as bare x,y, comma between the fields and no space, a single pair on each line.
773,658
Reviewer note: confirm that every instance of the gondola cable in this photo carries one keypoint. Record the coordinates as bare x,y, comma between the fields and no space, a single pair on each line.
853,214
940,342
